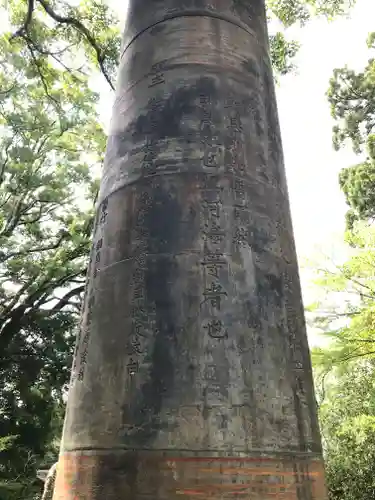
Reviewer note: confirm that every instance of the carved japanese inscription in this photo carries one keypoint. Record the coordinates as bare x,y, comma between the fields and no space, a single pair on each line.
192,374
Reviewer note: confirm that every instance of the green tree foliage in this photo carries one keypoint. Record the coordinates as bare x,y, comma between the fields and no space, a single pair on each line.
79,37
345,312
352,98
347,419
64,30
290,12
345,367
51,146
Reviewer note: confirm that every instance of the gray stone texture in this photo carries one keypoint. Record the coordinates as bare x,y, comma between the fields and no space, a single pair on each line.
192,374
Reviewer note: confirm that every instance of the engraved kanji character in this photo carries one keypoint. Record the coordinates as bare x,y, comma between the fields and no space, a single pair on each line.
239,190
132,366
212,157
139,330
240,167
206,119
210,370
138,312
134,346
157,79
214,293
138,275
212,256
149,150
99,244
241,236
157,68
231,102
149,168
83,357
140,220
253,320
141,260
204,99
213,269
103,217
236,152
154,102
235,122
214,232
214,208
239,185
216,330
237,212
145,199
206,131
138,293
90,307
140,233
104,212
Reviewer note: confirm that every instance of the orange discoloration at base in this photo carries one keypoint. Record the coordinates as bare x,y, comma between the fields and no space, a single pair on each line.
162,476
232,459
74,477
256,472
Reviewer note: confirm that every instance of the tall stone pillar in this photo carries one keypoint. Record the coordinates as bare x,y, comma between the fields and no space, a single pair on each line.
192,376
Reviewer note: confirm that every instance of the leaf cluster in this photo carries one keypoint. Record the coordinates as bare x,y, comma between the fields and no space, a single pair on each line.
89,32
344,367
51,150
352,98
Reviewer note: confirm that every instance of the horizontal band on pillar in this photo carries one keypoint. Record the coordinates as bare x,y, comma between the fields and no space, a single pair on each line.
174,476
191,13
201,454
146,180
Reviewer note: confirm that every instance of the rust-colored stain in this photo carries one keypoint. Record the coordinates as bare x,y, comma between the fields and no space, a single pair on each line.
150,474
256,472
227,459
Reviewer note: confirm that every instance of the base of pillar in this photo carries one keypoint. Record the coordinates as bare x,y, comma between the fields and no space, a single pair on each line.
184,475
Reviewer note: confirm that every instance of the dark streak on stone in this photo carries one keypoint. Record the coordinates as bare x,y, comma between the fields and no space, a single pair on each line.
171,111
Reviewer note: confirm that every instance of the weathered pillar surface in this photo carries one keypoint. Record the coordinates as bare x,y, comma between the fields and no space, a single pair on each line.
192,376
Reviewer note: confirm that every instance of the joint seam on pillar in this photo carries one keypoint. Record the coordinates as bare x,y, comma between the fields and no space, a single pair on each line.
139,178
239,454
184,64
192,13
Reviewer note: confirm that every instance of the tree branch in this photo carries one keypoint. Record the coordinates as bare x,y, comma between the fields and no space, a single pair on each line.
68,20
23,29
44,83
65,299
3,166
32,250
82,29
354,356
3,92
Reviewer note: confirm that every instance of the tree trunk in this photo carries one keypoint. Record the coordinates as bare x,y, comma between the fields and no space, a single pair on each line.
192,374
